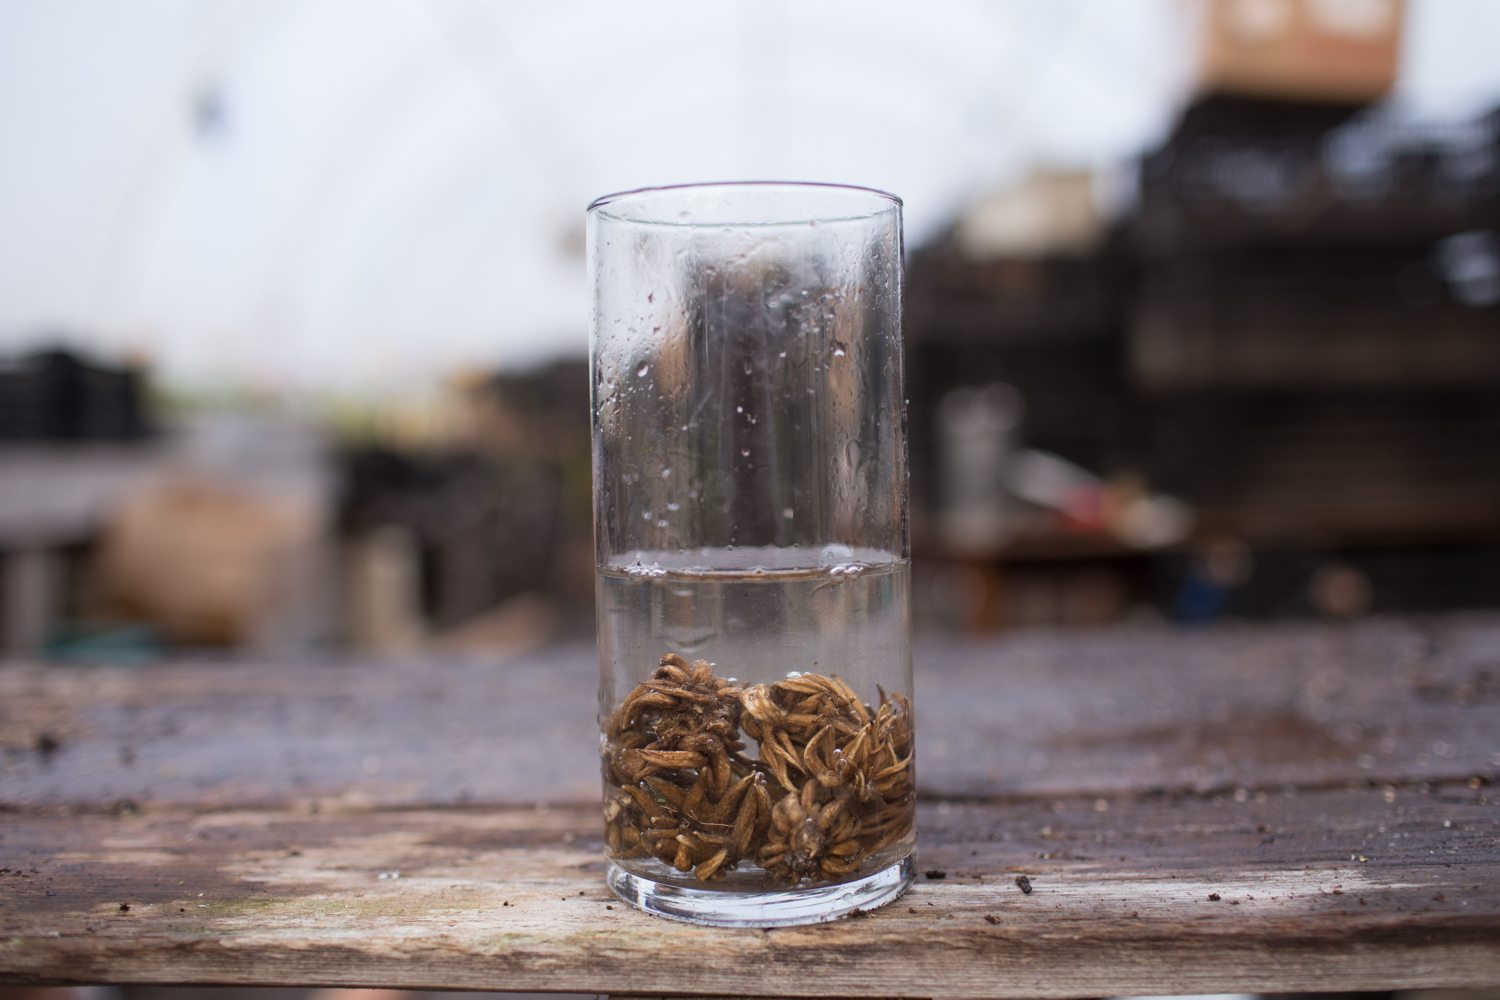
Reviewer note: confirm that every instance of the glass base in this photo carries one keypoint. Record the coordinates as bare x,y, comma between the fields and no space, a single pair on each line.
783,908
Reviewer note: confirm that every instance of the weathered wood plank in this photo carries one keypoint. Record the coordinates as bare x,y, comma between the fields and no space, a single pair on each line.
1330,784
1035,713
1337,889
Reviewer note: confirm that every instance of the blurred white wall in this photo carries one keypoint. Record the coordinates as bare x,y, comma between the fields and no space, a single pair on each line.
340,195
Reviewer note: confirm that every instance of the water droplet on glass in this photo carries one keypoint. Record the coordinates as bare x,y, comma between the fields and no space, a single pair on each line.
782,354
643,369
748,370
838,349
666,473
661,522
674,506
744,452
787,513
645,515
739,409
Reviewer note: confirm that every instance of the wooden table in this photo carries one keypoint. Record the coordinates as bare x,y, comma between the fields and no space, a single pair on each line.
1304,807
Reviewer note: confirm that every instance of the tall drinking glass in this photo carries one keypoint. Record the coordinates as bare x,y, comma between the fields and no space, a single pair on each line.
750,513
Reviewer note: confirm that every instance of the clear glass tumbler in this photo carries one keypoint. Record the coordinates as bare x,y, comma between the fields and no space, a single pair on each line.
750,510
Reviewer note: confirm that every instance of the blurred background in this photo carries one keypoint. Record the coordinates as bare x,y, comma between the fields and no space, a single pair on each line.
1203,302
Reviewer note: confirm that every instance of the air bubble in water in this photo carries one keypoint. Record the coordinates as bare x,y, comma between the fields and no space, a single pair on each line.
739,409
787,513
666,473
838,349
744,452
643,369
661,523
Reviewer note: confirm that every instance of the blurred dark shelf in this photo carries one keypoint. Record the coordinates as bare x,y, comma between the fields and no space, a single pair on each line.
1374,317
1240,172
951,300
59,397
1296,333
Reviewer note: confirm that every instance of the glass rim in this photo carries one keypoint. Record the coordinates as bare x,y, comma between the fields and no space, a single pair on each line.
881,203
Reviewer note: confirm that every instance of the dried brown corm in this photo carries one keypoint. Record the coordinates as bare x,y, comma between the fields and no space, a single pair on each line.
832,783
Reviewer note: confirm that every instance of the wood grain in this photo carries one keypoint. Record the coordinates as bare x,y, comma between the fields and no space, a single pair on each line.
1121,901
1037,713
366,825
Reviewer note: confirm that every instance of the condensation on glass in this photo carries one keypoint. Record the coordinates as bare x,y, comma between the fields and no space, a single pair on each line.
750,506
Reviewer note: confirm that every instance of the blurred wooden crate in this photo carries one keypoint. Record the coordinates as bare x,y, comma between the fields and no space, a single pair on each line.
1331,50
